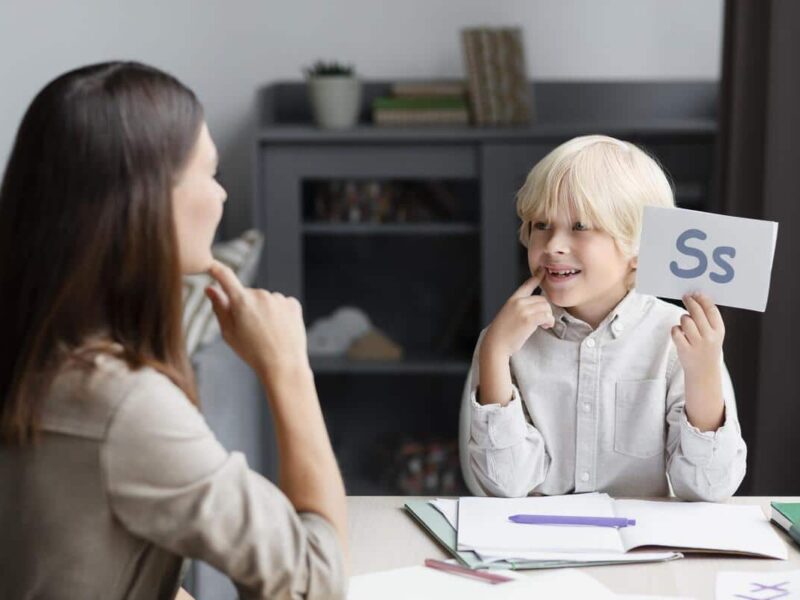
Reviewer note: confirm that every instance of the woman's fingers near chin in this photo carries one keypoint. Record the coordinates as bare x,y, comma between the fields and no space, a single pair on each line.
217,297
227,280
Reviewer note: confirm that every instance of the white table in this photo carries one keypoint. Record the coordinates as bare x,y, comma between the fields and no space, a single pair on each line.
383,536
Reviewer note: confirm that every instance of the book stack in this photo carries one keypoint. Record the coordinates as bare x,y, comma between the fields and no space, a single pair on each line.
435,103
787,515
499,93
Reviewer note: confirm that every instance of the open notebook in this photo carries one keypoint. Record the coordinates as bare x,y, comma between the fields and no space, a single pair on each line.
483,527
443,529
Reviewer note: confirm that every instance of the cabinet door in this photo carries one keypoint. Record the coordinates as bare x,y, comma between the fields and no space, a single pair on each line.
282,170
504,168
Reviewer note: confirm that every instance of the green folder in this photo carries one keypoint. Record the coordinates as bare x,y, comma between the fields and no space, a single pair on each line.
440,529
787,515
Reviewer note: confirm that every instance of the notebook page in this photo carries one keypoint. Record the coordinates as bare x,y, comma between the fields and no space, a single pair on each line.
580,556
699,526
483,525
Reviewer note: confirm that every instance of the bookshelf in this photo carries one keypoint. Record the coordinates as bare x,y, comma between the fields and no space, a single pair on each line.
431,279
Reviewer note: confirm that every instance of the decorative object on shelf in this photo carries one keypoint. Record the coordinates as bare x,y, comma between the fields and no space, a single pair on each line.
426,466
350,201
333,335
374,345
335,94
241,254
434,103
499,92
348,331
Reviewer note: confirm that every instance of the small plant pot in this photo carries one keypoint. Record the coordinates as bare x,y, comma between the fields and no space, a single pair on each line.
335,100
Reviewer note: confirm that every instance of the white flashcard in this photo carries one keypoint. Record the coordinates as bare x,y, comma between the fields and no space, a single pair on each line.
758,585
727,258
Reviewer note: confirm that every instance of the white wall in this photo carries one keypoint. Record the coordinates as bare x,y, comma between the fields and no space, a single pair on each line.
225,50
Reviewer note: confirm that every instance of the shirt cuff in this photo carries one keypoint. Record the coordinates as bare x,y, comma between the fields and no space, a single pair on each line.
495,426
709,448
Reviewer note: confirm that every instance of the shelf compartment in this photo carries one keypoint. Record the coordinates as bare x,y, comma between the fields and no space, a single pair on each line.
364,202
341,365
371,416
423,292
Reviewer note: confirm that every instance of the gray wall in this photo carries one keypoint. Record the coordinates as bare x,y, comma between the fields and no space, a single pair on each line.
224,51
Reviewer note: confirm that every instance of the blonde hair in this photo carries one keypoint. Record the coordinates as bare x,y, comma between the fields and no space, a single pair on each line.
600,180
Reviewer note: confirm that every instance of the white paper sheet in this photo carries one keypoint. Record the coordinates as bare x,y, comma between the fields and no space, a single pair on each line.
758,585
423,583
483,525
449,509
649,597
699,525
727,258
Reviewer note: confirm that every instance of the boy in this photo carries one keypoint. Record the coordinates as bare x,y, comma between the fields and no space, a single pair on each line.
592,386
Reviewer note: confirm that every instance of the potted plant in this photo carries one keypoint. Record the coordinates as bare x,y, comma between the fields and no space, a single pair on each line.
335,94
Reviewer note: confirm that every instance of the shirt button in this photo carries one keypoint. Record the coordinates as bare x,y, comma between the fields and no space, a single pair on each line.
616,327
587,407
585,476
590,343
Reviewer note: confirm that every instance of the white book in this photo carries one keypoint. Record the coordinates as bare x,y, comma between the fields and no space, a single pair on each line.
484,527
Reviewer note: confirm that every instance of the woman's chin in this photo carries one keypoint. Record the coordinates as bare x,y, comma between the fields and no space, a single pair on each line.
198,264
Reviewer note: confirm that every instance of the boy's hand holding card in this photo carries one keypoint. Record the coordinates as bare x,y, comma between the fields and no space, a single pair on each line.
729,259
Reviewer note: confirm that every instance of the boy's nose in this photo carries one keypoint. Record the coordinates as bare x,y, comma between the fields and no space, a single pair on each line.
557,244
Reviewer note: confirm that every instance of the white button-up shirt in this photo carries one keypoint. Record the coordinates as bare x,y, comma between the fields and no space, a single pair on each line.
603,410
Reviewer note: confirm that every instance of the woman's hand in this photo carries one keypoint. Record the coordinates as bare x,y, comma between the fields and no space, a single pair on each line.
698,340
266,329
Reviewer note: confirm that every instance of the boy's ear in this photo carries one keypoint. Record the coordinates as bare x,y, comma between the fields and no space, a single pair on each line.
634,262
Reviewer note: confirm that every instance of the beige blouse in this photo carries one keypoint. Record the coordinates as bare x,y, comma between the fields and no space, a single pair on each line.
126,481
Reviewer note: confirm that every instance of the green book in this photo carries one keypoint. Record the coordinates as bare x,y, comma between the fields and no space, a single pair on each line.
787,515
420,103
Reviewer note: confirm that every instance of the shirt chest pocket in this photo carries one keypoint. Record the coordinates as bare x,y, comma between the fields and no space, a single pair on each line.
639,418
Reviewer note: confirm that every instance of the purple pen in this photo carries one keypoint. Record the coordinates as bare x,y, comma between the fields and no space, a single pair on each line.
572,520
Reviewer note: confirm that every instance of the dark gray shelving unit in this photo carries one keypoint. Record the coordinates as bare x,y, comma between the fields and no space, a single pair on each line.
433,366
433,285
390,228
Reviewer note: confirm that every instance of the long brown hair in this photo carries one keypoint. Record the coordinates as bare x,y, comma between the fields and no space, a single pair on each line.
87,240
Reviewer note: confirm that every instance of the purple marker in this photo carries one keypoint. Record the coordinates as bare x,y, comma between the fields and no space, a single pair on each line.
572,520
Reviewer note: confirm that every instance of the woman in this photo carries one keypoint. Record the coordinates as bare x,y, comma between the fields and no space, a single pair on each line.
110,475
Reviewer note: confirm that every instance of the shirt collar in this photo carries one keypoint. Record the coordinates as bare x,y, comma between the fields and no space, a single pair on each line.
617,322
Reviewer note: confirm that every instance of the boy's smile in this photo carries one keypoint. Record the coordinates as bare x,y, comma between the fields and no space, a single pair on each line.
585,270
560,273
